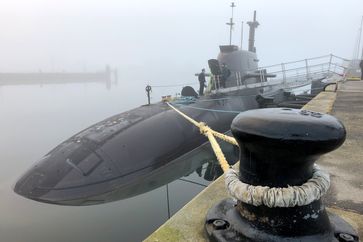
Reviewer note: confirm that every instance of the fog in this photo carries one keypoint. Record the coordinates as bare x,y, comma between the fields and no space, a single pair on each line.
162,42
157,42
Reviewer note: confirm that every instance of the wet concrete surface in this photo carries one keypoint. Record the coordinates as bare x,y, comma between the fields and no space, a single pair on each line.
346,163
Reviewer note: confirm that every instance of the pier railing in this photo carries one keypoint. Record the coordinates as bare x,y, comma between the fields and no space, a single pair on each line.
291,74
301,72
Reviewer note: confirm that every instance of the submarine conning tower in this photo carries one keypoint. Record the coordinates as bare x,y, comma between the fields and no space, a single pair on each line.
240,62
237,60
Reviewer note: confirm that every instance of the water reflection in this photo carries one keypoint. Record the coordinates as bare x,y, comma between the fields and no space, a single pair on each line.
212,171
33,121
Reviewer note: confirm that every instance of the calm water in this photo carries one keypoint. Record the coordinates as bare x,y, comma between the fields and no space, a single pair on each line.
36,118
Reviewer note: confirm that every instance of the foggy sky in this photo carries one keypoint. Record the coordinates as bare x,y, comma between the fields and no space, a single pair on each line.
162,41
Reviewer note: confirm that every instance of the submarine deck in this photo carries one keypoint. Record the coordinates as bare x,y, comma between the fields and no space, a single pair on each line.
345,165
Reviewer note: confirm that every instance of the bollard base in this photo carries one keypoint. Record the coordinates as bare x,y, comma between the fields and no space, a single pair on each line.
224,223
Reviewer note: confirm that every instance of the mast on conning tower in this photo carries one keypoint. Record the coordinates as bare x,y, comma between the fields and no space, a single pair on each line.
251,41
231,24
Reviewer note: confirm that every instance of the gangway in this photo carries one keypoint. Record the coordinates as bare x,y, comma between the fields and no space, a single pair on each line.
295,74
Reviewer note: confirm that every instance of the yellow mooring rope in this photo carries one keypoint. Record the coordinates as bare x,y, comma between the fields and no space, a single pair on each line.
211,134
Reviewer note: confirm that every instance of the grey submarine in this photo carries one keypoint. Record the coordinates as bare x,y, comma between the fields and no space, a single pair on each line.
144,148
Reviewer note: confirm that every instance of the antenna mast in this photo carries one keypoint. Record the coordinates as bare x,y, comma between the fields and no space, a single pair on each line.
253,25
231,24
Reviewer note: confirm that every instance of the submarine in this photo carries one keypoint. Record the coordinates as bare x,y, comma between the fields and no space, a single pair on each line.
144,148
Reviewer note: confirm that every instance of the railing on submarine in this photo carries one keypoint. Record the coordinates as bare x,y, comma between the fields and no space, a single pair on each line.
295,73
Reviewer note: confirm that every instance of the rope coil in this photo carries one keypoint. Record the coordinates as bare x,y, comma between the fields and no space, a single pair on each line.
284,197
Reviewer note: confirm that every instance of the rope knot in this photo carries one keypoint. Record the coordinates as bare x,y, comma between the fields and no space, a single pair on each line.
203,128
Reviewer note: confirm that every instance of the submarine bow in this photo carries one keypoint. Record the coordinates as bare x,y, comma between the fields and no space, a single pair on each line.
109,160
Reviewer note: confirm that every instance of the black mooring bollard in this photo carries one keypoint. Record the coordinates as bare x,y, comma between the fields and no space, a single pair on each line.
278,148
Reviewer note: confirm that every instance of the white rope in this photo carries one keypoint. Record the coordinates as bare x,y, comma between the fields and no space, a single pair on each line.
290,196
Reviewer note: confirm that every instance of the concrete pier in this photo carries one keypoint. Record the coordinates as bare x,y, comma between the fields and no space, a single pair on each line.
345,165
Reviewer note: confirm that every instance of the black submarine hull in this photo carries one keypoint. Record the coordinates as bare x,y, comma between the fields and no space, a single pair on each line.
104,162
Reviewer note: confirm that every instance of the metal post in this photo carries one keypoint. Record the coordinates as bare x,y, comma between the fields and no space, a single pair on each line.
283,73
239,79
330,60
148,90
217,82
307,69
168,200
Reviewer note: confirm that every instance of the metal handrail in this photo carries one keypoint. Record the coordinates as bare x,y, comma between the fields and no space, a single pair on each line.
290,73
297,73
